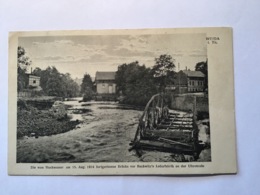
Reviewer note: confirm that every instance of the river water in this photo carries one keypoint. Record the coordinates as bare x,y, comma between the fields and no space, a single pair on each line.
103,135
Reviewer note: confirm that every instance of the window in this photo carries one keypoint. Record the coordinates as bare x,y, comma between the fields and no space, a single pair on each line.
34,81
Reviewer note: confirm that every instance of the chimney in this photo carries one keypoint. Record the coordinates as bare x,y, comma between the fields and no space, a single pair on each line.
31,70
186,67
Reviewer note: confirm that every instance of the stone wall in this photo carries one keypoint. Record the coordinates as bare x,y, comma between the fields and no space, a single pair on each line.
186,103
202,104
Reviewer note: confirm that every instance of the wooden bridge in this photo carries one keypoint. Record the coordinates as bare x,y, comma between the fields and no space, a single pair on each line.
166,130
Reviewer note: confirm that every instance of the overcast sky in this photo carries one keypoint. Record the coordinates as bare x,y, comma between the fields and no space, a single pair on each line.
87,54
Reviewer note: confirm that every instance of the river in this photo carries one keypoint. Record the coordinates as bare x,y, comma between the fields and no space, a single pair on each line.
103,135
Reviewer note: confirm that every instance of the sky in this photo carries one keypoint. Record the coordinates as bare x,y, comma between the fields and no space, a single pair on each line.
78,55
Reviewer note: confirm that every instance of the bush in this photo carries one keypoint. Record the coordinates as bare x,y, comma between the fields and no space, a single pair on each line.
22,104
87,97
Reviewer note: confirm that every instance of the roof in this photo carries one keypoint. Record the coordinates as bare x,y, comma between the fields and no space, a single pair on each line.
105,75
33,76
191,73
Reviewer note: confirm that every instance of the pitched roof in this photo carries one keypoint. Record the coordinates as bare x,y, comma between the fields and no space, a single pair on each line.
33,76
191,73
105,75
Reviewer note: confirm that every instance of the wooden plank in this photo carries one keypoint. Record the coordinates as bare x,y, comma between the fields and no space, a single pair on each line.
181,123
177,122
189,127
165,147
171,134
172,142
180,117
168,121
165,126
184,119
174,114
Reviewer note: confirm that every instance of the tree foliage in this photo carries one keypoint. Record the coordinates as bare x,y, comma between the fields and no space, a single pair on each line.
55,83
52,81
87,88
163,65
203,67
23,62
163,70
135,83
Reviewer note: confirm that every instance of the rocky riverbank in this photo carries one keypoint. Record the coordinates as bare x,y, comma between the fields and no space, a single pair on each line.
34,122
104,134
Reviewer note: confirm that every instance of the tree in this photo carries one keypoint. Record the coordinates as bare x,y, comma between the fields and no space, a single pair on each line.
163,70
23,62
127,73
70,87
87,88
55,83
136,83
37,72
120,78
203,67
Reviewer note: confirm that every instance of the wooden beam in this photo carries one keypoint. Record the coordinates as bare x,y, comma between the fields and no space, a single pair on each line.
171,134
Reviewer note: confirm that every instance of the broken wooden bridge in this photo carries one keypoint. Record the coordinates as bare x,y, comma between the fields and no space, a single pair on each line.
166,130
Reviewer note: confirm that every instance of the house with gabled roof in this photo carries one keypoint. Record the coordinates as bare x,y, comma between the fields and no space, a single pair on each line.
105,84
189,81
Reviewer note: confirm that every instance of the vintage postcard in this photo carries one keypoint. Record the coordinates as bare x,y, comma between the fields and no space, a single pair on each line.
122,102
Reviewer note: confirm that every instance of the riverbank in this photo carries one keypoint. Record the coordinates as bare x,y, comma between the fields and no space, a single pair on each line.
103,135
33,122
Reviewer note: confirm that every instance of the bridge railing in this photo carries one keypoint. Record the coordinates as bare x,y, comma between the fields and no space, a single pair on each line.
155,111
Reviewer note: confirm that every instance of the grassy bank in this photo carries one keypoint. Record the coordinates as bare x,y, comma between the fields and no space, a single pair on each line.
34,122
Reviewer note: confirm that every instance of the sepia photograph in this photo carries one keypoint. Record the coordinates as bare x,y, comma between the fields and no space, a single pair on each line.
113,102
113,98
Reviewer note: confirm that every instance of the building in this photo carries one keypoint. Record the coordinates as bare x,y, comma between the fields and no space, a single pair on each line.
34,82
188,81
105,85
32,86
